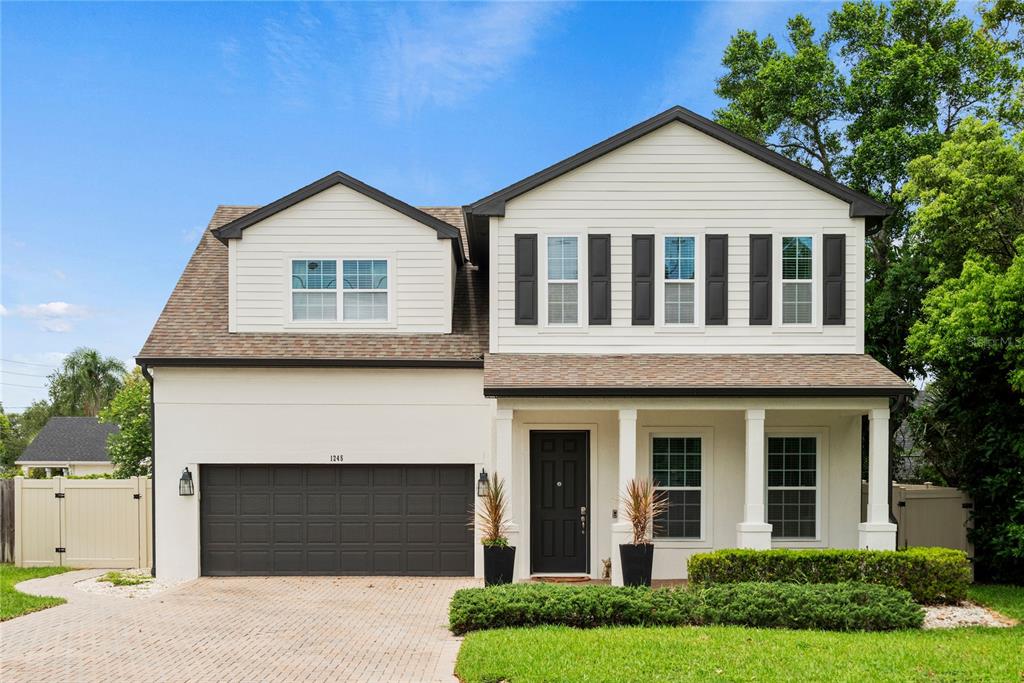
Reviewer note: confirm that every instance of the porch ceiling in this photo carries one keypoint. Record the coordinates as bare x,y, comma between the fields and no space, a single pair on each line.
511,375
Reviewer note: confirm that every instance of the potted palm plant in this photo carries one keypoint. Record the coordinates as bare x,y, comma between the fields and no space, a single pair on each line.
492,520
641,504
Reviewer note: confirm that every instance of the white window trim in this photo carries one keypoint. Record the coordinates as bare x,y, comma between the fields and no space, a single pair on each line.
707,450
820,539
581,265
698,276
292,324
779,282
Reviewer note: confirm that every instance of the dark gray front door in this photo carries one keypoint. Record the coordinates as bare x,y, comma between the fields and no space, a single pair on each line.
336,519
559,502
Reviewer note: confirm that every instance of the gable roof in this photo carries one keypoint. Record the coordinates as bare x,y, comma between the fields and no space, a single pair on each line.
192,329
860,203
233,230
70,439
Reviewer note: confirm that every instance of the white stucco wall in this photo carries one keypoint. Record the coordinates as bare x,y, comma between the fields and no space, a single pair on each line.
207,416
675,181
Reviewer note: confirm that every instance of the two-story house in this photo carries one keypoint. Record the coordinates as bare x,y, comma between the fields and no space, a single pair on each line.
338,369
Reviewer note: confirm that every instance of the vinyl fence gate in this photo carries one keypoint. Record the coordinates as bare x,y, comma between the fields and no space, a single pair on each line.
82,523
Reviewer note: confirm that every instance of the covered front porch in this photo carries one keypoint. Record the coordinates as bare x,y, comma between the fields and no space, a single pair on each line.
756,472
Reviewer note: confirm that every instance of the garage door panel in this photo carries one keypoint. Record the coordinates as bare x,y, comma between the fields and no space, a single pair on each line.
362,519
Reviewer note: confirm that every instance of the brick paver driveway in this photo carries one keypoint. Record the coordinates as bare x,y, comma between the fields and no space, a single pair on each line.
238,629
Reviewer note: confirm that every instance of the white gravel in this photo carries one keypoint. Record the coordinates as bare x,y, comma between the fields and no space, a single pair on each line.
143,590
964,614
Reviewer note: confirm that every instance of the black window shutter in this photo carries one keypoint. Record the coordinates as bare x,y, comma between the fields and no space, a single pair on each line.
643,279
760,279
599,263
834,279
526,279
716,280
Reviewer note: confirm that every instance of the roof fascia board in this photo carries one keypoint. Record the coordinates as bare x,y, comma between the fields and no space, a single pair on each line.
233,230
860,204
156,362
731,392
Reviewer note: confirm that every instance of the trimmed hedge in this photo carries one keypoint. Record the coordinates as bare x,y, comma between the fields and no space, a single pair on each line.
931,575
831,607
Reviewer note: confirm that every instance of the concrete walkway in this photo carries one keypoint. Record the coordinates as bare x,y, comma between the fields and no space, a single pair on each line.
238,629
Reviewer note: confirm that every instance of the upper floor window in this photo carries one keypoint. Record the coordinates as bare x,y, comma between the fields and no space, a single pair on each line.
563,280
314,290
365,290
679,280
797,280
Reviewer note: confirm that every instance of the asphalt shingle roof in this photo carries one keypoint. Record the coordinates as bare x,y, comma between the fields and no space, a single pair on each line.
70,439
194,322
682,374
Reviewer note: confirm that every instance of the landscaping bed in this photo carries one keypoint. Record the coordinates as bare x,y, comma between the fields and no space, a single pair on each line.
834,607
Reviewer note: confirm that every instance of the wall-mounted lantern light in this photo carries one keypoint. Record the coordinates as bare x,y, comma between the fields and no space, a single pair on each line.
482,483
185,485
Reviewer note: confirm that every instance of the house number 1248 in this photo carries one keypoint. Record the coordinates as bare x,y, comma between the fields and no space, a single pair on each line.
337,458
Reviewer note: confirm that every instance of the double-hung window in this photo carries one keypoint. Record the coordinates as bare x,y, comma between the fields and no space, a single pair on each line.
679,280
677,472
314,290
793,486
563,280
365,290
797,281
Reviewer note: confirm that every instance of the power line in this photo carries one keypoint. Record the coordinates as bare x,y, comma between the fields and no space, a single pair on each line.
21,362
23,386
23,374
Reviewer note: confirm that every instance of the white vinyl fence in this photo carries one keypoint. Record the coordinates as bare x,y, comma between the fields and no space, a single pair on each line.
83,523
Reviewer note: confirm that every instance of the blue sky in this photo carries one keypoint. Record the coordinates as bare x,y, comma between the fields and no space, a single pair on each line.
125,124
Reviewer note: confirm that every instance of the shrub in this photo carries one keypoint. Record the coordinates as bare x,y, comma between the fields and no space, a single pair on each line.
837,607
931,575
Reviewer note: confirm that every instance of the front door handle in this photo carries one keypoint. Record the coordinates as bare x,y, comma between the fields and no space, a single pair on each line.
583,520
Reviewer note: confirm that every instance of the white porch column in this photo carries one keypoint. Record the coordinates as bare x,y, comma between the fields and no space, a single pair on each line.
753,532
878,533
503,469
621,529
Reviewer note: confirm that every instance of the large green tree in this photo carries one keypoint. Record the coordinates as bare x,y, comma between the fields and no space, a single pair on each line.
23,428
131,448
85,382
969,229
884,84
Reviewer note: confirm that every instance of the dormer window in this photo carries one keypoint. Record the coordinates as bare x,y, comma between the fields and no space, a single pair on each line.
365,290
314,290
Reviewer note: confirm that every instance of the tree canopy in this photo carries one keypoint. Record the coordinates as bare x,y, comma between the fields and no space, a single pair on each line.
131,448
85,382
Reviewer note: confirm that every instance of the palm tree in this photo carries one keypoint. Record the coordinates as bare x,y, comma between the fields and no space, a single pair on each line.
85,383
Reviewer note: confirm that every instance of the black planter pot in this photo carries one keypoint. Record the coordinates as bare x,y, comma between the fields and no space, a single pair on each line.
499,565
637,561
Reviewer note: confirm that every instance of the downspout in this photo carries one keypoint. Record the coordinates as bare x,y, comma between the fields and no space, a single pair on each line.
152,457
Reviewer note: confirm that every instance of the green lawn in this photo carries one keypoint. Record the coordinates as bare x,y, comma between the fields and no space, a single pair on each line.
739,654
13,603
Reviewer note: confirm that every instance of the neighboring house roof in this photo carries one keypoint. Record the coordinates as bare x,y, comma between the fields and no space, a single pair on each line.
508,375
193,327
233,229
494,204
70,439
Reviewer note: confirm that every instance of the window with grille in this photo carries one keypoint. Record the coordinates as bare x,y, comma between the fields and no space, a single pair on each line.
314,290
793,486
677,470
797,281
680,281
563,280
365,290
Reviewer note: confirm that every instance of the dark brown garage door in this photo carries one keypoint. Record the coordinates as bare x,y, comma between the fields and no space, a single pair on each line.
343,519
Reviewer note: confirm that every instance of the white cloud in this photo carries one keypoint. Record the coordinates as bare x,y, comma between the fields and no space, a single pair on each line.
54,316
3,310
60,274
399,58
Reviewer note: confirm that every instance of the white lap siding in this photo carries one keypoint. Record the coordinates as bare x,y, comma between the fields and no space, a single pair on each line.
341,223
676,181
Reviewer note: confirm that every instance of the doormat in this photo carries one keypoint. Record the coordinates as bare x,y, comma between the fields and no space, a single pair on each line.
561,579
